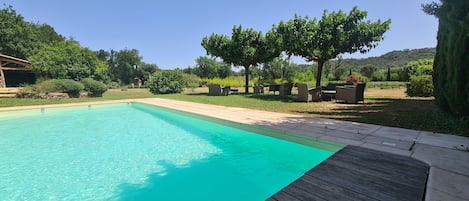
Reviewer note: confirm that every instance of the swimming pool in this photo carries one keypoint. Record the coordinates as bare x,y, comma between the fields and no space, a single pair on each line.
140,152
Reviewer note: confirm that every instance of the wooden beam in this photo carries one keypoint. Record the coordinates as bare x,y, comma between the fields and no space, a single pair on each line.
14,60
3,84
15,69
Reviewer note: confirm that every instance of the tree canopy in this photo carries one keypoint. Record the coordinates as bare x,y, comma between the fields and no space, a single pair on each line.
245,47
67,60
451,64
336,33
23,39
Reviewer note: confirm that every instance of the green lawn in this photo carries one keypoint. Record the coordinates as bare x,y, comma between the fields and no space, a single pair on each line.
419,114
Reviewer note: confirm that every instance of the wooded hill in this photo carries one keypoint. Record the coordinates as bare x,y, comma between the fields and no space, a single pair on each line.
394,59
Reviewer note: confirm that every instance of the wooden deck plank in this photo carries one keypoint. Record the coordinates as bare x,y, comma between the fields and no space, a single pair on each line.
356,173
411,179
325,190
284,196
367,184
301,194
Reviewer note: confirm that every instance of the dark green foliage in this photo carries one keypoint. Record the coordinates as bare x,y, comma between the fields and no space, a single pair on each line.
393,59
144,70
279,69
368,70
71,87
166,82
207,67
388,75
420,77
420,86
451,66
336,33
245,47
415,68
66,60
93,87
23,39
123,64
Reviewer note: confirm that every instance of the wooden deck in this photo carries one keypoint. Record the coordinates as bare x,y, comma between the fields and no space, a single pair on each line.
356,173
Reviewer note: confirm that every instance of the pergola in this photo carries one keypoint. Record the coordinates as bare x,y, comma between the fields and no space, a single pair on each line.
9,63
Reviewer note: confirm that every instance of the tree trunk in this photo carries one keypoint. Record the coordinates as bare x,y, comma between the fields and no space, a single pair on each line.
318,74
246,83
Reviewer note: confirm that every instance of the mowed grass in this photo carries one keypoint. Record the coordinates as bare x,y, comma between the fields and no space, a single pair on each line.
389,107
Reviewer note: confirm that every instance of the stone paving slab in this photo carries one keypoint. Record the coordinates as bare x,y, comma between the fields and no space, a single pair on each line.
388,149
456,188
442,140
384,141
397,133
443,158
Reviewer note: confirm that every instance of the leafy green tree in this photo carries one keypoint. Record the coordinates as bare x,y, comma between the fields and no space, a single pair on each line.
225,70
388,75
166,82
450,68
144,71
245,47
207,67
279,69
47,34
334,34
103,55
339,73
66,60
368,70
123,64
416,68
17,37
23,39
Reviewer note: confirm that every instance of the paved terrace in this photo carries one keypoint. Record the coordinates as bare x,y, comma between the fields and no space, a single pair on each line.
447,155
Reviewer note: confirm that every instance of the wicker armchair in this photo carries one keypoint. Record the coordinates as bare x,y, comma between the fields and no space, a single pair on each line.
307,94
350,93
214,90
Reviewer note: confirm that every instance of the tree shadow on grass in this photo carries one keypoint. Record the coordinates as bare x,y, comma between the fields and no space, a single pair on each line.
419,114
274,97
197,94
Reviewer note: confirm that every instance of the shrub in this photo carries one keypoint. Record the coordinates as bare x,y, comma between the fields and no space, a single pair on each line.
27,91
72,88
93,87
166,82
420,86
113,85
192,81
229,81
386,85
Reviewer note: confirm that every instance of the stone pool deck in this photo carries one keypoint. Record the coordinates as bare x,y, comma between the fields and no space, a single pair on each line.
447,155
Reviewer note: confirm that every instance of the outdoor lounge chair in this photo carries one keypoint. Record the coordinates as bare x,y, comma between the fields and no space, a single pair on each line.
350,93
307,94
214,90
218,90
258,89
274,87
328,92
285,89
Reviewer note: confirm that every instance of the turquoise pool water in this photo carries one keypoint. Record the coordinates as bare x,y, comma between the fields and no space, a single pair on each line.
139,152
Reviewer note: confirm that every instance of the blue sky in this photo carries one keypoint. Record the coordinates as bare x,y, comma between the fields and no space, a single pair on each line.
168,32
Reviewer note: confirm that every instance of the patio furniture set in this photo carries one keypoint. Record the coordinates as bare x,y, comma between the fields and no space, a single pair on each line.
348,93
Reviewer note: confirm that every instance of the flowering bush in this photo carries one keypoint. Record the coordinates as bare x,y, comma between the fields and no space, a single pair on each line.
353,79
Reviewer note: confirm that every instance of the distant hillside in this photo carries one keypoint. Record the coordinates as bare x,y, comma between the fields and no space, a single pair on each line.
392,59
